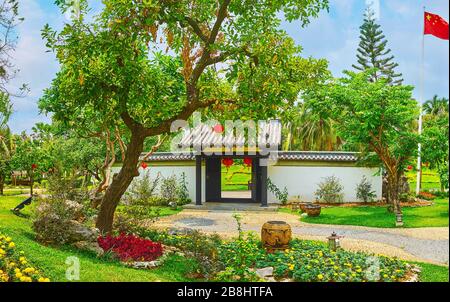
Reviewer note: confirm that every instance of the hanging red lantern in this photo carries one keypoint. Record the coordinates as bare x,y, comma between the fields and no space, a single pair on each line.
410,168
218,128
248,161
33,167
227,162
144,165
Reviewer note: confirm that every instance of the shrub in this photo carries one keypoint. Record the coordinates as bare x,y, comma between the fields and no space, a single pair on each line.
14,266
330,190
142,190
52,215
282,196
131,248
364,191
182,191
169,189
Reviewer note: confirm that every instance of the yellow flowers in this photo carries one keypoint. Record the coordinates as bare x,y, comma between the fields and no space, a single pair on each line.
320,276
291,267
13,264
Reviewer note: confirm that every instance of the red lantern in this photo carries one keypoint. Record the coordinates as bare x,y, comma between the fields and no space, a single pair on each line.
248,161
218,128
33,167
227,162
410,168
144,165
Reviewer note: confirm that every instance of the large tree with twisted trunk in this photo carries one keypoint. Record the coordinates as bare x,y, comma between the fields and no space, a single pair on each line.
224,54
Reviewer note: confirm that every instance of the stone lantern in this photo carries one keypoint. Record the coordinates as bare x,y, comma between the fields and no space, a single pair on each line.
334,241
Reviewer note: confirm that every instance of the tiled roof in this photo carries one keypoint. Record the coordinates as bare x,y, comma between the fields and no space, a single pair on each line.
318,156
284,156
268,136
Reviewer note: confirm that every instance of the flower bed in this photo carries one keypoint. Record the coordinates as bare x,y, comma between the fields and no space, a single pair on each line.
14,266
308,261
131,248
304,261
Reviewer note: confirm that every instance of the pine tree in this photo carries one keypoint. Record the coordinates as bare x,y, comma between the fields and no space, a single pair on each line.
372,51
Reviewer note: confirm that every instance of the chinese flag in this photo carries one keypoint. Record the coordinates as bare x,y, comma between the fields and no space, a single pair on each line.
435,25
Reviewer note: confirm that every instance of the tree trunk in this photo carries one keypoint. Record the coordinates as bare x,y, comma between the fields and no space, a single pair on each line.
120,182
2,184
393,189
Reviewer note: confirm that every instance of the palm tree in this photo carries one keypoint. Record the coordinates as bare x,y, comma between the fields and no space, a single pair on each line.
436,106
311,131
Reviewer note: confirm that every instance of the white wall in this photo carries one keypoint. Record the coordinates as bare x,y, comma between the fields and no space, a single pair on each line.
303,180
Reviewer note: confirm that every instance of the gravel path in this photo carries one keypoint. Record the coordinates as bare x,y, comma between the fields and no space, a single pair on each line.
422,244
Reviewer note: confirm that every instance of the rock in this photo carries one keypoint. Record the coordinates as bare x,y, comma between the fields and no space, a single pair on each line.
180,231
271,279
89,246
78,232
263,273
144,264
286,280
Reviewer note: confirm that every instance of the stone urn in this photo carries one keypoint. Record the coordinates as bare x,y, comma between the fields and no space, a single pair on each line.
303,206
313,210
276,235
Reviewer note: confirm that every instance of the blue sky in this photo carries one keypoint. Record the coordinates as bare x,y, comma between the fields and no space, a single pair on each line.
333,36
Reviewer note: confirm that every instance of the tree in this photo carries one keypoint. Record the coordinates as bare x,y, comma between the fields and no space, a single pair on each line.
31,156
375,115
372,51
436,106
435,142
310,130
6,143
223,53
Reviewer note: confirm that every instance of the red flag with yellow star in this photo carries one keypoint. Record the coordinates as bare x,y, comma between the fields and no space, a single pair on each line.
435,25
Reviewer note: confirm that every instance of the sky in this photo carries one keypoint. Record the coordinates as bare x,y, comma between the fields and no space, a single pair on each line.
334,36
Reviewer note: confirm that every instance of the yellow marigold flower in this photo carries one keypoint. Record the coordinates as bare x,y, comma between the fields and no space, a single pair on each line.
29,270
8,239
18,275
336,267
24,262
11,245
12,264
320,276
385,276
286,250
22,259
17,270
2,251
359,270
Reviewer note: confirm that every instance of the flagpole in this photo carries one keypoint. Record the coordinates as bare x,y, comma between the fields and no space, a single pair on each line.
422,88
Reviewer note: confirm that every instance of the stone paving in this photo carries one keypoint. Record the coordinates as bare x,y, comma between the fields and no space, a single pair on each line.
421,244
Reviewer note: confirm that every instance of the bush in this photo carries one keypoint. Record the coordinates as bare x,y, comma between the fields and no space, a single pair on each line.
14,266
364,191
182,191
426,195
131,248
142,190
169,189
53,215
330,190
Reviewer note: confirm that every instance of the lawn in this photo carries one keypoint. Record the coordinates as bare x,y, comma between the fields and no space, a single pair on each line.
236,177
370,216
430,180
51,260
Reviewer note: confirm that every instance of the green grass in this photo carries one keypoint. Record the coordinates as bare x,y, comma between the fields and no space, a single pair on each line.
433,273
236,178
370,216
51,260
430,180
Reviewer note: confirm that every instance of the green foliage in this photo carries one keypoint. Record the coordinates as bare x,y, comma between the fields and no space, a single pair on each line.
330,190
436,106
282,196
182,191
435,146
364,191
372,51
169,188
50,259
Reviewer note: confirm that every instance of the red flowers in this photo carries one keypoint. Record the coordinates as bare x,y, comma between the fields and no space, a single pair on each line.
129,247
227,162
410,168
33,167
144,165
